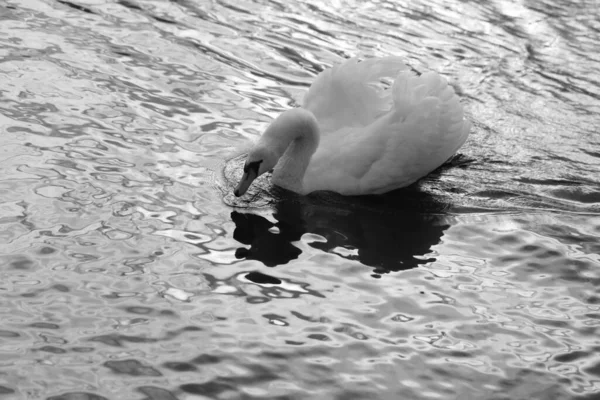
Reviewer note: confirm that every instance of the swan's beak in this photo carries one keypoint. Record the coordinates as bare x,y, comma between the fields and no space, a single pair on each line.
249,176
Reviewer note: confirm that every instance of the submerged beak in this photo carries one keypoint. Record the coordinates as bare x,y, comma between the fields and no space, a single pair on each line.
250,174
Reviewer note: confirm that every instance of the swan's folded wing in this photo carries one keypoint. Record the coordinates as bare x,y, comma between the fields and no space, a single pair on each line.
347,95
412,150
424,128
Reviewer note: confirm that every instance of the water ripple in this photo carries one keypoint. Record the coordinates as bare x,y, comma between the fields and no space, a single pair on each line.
130,270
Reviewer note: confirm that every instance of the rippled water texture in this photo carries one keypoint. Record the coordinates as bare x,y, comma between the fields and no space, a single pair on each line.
129,271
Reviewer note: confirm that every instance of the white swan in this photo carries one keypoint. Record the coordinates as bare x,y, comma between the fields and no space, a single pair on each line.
353,136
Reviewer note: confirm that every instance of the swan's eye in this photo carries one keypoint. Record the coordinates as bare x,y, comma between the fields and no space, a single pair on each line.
254,165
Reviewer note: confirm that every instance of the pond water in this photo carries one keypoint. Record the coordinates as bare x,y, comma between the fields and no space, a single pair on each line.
130,271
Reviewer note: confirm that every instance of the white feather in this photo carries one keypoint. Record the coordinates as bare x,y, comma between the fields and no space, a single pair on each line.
369,138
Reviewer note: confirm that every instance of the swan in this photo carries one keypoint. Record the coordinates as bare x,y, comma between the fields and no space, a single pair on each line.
356,135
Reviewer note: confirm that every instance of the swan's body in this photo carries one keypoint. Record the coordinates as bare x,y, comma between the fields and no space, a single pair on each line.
354,137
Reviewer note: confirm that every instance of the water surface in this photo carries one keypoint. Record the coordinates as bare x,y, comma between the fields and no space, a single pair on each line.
129,270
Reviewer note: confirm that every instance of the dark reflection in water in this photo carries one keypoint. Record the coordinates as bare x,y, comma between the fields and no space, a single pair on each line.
390,233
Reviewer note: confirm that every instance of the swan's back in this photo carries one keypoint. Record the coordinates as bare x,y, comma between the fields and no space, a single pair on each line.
375,140
347,94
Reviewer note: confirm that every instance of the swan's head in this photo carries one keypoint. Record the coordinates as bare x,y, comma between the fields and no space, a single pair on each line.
296,125
260,160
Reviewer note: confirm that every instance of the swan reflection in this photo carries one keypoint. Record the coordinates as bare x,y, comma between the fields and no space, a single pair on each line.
389,233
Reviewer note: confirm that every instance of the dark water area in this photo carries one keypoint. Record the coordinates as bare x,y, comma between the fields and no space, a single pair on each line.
128,270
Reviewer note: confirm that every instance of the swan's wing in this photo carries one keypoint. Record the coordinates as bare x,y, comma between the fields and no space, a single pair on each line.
348,95
424,128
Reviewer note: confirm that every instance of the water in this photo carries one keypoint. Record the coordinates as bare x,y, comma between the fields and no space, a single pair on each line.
129,271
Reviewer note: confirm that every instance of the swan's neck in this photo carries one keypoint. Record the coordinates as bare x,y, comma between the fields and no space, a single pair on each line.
290,170
296,136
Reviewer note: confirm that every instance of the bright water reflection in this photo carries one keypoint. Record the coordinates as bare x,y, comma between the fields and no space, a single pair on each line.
129,271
